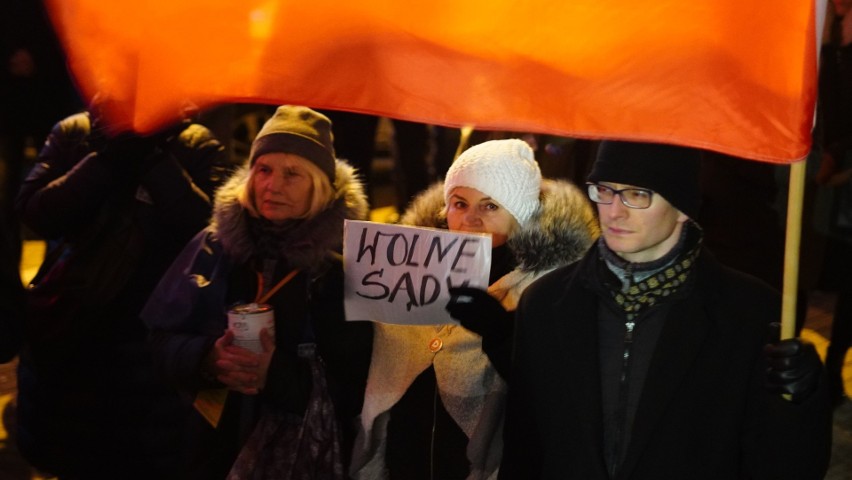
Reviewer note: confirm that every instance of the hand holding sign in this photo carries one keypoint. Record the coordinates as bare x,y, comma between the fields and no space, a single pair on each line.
479,312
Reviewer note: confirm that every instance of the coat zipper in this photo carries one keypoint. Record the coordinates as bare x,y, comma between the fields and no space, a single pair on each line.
623,382
623,387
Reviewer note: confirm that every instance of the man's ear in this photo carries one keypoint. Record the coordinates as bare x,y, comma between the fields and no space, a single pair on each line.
681,217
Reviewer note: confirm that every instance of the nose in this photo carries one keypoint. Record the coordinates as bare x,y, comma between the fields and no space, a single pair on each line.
616,209
274,184
471,217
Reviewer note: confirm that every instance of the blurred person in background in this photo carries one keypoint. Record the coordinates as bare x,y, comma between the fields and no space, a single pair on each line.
116,208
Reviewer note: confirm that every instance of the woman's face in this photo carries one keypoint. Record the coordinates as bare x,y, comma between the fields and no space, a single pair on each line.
282,186
469,210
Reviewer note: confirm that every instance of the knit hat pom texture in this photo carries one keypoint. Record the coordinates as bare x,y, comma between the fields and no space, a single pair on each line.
505,170
300,131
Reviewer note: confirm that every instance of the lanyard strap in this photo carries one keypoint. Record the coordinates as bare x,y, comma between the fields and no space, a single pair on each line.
263,299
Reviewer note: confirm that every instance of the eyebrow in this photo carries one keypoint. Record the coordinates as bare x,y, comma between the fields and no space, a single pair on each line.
456,195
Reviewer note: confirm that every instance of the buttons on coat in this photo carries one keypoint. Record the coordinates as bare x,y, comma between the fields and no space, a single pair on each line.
435,345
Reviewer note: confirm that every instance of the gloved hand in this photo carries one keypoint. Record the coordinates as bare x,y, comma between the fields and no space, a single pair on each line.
793,367
479,312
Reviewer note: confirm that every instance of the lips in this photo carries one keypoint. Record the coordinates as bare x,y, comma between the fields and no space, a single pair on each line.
617,231
274,204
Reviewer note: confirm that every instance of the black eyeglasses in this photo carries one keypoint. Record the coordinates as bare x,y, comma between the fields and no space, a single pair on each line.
630,197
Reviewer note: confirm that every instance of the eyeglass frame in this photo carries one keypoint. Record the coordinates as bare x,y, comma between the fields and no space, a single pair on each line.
590,185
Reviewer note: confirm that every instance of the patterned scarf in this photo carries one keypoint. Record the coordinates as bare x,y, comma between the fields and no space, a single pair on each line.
647,284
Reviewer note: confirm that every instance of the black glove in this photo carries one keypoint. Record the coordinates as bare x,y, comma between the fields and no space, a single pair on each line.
479,312
793,367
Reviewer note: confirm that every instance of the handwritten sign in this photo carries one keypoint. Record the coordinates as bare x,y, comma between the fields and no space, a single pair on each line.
397,274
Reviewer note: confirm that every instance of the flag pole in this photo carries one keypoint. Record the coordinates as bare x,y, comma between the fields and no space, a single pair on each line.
795,200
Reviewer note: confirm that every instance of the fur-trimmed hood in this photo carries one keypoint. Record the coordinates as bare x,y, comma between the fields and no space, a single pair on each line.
310,241
559,232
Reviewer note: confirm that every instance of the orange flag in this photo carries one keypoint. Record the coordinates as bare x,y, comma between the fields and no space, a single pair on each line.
736,76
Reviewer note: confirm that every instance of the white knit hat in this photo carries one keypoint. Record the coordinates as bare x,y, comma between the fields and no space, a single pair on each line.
505,170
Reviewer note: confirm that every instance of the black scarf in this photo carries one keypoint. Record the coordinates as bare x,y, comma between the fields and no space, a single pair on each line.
502,262
271,240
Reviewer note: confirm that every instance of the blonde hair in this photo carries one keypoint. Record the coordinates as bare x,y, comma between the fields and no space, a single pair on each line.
322,193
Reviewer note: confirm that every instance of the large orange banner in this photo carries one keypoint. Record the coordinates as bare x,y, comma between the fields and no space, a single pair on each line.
736,76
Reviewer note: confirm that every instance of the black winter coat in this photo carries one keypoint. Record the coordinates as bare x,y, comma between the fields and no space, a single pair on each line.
89,403
703,413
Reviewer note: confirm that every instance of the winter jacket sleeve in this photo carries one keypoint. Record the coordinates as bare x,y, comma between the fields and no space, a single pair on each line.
781,438
68,142
778,439
71,181
53,207
498,347
185,313
521,439
788,440
66,184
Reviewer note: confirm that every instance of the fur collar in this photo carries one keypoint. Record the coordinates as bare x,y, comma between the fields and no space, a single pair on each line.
560,231
311,241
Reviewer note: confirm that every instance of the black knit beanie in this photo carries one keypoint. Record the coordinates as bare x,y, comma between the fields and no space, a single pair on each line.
300,131
669,170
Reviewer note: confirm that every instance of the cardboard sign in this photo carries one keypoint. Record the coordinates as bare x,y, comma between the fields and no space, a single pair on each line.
397,274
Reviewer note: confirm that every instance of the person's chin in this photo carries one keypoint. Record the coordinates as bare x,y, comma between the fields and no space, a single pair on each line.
273,215
617,243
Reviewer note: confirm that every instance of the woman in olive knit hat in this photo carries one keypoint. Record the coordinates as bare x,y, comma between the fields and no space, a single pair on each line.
275,238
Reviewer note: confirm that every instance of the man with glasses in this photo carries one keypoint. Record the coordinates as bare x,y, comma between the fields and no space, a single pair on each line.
647,359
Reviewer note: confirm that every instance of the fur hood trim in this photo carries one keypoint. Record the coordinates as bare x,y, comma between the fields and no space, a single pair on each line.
312,240
559,232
